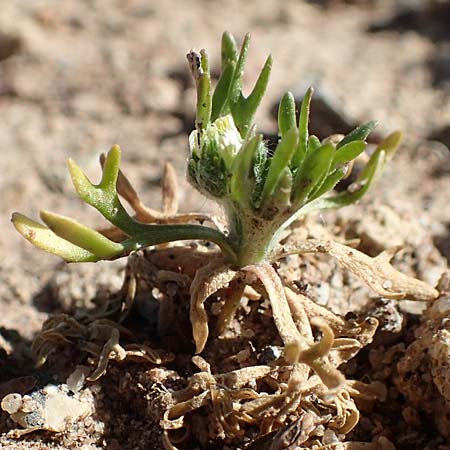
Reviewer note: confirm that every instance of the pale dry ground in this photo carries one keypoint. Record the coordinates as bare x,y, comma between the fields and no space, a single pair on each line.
92,74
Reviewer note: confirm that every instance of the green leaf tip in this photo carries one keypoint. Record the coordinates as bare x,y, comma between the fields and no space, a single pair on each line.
391,143
229,49
359,133
348,152
286,114
111,169
303,134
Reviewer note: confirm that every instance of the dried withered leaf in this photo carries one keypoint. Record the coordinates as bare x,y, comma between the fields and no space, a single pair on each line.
317,357
347,414
238,378
293,341
363,391
230,306
348,446
296,433
297,348
111,350
207,281
299,315
377,272
312,309
182,408
169,190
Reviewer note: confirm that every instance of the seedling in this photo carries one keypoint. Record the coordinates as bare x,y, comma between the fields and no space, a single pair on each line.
261,193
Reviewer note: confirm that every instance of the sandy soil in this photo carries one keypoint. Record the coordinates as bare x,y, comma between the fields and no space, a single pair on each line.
79,76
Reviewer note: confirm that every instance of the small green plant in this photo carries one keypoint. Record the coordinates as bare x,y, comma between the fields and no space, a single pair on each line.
261,192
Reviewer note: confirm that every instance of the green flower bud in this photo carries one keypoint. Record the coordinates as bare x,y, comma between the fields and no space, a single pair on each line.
212,151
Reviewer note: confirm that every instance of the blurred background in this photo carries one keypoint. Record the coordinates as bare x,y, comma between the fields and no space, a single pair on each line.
78,76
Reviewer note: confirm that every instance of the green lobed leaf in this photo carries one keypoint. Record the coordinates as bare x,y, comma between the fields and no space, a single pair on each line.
358,134
149,235
45,239
103,196
244,109
357,189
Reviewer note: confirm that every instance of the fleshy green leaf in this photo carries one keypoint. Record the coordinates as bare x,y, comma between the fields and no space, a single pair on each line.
243,108
220,106
302,149
228,50
357,189
103,196
391,143
242,180
261,165
204,100
286,114
330,182
110,170
47,240
348,152
199,66
280,200
149,235
82,236
236,84
313,144
358,134
313,172
280,160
